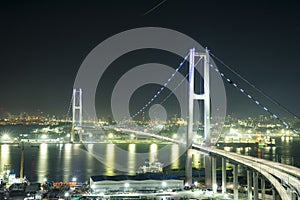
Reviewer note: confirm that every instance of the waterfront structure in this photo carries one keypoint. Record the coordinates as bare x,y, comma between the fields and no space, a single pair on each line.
77,113
139,183
155,167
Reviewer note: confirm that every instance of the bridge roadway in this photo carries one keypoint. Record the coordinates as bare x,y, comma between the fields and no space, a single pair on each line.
269,169
289,174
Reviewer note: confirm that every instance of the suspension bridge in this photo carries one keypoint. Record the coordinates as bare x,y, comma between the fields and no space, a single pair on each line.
285,179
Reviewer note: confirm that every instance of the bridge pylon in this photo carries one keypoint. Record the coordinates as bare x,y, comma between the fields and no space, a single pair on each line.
77,113
192,96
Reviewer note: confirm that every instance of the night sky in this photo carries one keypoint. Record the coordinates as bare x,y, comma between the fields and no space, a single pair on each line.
43,44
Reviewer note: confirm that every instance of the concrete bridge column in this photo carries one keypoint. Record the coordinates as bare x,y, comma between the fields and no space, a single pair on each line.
235,182
273,193
208,175
224,175
249,184
263,188
255,184
214,174
188,167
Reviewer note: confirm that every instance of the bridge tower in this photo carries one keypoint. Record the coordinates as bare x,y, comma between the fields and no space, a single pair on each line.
192,96
77,112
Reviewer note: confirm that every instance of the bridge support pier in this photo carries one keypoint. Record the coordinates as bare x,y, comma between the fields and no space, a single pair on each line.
255,184
77,113
263,188
203,96
235,182
249,184
223,175
188,167
273,193
208,174
214,174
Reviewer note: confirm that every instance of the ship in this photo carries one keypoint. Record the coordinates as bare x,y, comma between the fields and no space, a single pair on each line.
155,167
264,141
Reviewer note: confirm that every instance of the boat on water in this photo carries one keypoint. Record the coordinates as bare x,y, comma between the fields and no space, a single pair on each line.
155,167
265,141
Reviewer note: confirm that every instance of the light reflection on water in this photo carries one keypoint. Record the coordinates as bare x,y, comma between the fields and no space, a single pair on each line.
131,159
67,160
175,156
42,166
61,162
286,151
196,160
153,153
5,158
110,159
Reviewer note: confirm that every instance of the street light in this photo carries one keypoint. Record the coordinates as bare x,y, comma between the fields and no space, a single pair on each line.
164,184
215,187
196,183
74,179
44,136
67,195
110,135
5,137
132,136
126,187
